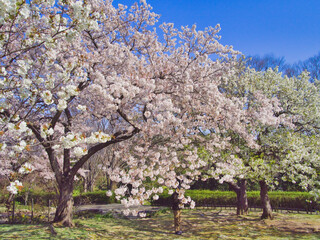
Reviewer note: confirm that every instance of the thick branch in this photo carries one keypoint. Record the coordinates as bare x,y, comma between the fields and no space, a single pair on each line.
52,159
92,39
125,117
143,112
234,187
118,138
66,152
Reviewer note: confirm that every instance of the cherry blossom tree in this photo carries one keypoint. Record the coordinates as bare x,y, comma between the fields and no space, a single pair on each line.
229,162
51,84
66,64
292,153
287,150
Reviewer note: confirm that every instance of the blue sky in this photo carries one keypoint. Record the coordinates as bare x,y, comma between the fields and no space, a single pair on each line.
285,28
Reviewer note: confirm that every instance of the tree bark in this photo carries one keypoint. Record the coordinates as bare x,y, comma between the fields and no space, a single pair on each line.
176,213
64,210
90,182
242,200
85,184
266,206
26,198
9,206
111,185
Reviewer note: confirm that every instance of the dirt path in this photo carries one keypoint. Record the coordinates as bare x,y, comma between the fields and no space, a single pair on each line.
115,208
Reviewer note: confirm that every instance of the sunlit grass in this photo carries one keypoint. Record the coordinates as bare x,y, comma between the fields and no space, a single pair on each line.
197,224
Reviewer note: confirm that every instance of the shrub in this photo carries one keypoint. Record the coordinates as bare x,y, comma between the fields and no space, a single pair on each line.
42,198
97,197
279,200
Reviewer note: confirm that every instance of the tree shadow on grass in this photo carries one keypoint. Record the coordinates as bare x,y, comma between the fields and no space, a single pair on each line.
21,231
211,225
196,224
14,228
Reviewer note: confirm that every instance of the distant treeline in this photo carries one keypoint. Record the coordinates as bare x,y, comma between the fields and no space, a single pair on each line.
262,63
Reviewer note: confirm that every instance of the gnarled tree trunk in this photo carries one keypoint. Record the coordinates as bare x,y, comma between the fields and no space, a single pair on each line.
266,206
65,204
242,200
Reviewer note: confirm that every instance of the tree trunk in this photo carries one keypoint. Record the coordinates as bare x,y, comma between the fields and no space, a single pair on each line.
177,221
85,184
90,183
176,213
242,201
64,209
111,185
9,206
26,197
267,210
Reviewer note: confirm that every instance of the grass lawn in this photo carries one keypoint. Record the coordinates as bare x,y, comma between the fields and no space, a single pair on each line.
197,224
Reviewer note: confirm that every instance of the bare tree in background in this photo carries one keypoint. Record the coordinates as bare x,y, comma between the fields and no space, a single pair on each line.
312,65
106,158
267,61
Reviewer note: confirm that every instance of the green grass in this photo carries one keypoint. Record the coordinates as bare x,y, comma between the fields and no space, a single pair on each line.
197,224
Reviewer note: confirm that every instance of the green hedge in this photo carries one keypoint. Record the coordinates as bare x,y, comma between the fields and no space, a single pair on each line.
283,200
97,197
42,198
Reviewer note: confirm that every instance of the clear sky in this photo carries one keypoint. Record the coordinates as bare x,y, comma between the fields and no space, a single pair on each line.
285,28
